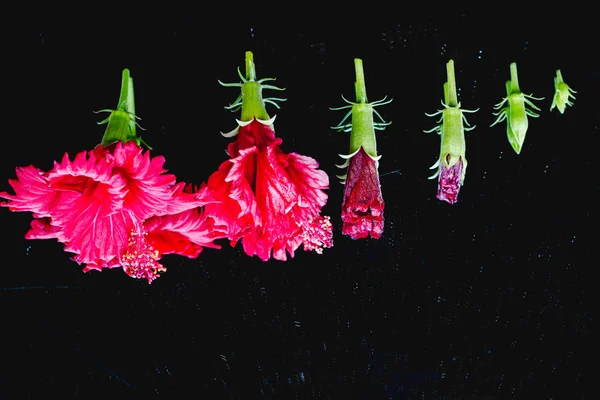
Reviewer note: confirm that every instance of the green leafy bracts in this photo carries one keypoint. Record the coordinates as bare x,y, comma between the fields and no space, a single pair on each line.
251,101
122,122
515,111
362,125
562,93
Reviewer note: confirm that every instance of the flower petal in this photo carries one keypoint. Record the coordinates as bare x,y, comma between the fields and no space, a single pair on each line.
449,181
362,205
32,193
185,233
41,228
149,189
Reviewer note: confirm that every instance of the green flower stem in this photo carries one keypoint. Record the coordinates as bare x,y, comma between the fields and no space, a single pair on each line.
514,79
250,67
450,95
122,121
253,104
363,131
359,86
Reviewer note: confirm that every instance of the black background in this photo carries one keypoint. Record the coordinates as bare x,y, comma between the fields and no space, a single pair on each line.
491,296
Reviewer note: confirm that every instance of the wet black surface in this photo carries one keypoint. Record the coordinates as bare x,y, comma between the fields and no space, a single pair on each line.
491,296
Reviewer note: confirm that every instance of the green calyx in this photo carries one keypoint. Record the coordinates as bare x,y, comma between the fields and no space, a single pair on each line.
452,126
122,122
251,101
362,125
515,108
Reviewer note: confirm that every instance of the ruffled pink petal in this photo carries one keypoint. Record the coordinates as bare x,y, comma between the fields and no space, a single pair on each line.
289,193
101,234
100,265
449,181
310,183
362,205
31,193
236,206
149,189
242,176
256,210
186,197
86,210
185,233
78,200
89,174
41,228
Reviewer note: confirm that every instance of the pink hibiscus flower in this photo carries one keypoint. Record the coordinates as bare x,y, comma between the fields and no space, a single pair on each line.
115,205
268,199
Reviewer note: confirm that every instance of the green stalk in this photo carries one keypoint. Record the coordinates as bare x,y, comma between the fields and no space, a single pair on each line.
253,105
250,67
122,121
359,86
514,79
450,95
363,132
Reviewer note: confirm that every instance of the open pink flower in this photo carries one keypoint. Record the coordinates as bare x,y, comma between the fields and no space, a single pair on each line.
362,205
268,199
113,206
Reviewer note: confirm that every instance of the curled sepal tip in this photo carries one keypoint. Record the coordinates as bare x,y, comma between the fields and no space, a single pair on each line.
241,124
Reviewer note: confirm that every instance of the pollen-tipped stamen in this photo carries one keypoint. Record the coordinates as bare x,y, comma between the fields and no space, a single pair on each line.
140,260
318,234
